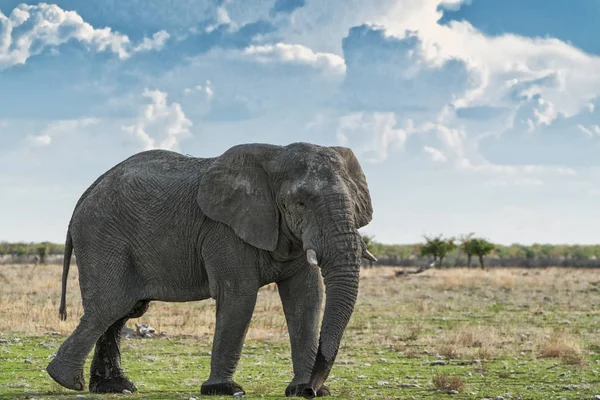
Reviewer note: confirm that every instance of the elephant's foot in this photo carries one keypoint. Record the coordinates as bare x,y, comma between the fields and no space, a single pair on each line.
221,388
66,374
306,391
111,385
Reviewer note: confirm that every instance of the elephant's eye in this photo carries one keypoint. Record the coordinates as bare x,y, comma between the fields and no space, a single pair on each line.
301,203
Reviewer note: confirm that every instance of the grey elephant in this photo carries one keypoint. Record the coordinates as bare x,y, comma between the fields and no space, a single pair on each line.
163,226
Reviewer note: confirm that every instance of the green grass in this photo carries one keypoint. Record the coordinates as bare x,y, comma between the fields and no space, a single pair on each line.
174,369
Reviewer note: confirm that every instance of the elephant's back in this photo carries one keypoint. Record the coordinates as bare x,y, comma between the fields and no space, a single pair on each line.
140,193
156,164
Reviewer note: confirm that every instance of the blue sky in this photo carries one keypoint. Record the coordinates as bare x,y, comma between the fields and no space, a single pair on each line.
467,116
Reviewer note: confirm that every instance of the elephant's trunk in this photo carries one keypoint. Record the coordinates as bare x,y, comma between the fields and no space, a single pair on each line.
340,267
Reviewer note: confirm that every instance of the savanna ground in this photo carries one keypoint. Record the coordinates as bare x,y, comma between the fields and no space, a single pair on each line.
457,333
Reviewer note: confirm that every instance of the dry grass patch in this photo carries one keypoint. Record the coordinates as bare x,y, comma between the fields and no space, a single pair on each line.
412,352
485,353
412,333
471,336
468,278
449,351
470,341
564,346
574,359
448,383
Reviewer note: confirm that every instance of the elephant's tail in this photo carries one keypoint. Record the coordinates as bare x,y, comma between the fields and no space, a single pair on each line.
66,264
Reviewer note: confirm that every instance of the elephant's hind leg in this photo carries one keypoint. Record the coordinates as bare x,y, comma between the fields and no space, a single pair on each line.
106,374
66,367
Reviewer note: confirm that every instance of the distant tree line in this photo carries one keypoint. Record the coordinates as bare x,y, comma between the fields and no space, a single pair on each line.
462,251
23,251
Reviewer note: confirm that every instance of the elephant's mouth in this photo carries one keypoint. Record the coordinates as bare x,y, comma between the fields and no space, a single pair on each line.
311,256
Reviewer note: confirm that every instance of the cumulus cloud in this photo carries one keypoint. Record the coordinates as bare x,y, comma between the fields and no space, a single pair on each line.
475,91
156,42
205,90
372,135
494,62
435,154
58,128
31,29
389,73
504,60
220,17
295,54
160,125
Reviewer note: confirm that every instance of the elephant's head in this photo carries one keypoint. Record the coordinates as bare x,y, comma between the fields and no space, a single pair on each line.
308,197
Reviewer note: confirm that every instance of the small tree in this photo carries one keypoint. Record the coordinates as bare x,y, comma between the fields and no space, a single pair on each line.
464,246
42,251
481,248
448,245
438,247
19,250
430,248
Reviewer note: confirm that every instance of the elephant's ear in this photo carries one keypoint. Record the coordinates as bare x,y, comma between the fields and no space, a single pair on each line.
359,190
235,190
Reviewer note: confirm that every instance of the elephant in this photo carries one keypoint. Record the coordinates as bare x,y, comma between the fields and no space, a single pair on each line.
169,227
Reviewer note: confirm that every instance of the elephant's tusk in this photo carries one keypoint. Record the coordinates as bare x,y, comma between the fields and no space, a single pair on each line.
367,254
311,256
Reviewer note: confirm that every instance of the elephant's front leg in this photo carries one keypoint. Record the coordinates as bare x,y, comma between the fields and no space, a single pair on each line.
301,296
234,312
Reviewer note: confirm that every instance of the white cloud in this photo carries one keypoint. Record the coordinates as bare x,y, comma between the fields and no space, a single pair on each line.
493,61
295,54
507,84
585,130
40,141
435,154
371,135
516,86
206,90
160,125
57,128
30,29
157,42
502,58
451,138
388,73
545,113
463,155
593,130
220,16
